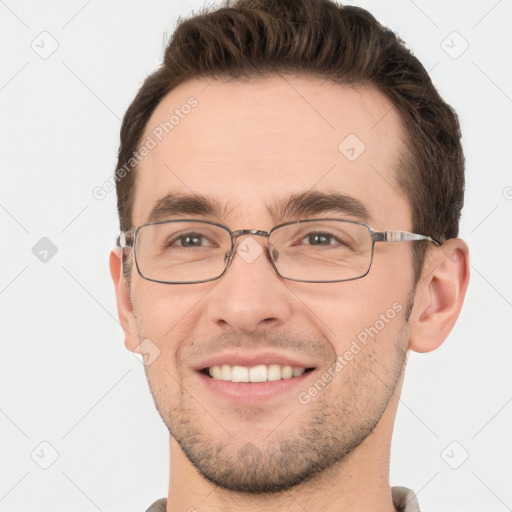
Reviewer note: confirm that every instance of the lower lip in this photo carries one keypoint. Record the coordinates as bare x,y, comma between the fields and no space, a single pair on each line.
253,392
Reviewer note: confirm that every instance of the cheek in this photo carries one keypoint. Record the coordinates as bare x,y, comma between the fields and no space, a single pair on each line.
363,320
164,309
169,317
343,311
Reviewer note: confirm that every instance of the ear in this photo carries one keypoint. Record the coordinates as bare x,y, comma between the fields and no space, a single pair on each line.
439,295
124,303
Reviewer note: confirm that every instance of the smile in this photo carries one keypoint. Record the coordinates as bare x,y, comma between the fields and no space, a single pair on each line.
259,373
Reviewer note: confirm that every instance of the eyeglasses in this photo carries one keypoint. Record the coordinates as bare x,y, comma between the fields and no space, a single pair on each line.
313,251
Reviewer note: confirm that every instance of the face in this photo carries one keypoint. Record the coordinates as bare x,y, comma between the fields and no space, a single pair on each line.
247,148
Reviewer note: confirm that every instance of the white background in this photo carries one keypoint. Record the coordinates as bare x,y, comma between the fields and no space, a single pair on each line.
66,378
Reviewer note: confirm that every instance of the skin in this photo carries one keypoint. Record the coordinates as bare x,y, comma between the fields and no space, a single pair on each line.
246,144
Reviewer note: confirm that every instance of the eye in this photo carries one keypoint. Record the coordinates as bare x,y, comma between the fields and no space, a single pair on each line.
188,240
321,239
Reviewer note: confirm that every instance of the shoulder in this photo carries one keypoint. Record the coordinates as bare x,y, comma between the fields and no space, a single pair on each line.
404,499
158,506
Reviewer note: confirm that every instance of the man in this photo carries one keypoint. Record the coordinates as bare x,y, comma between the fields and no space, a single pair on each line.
289,189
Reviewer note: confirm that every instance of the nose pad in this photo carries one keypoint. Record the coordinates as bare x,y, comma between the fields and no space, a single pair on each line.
228,256
274,253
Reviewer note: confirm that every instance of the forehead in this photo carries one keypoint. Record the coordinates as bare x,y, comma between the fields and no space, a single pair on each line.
246,143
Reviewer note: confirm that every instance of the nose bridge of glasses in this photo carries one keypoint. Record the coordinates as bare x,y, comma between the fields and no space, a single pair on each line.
241,232
254,232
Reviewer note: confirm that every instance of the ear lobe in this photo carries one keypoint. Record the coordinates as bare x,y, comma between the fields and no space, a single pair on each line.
439,295
123,299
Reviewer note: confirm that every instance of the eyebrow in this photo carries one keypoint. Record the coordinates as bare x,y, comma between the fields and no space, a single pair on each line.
312,203
297,206
177,204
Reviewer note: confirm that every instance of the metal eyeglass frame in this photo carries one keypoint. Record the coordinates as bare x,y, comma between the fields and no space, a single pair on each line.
128,239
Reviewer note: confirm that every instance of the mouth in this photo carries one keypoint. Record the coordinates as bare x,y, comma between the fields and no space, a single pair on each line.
243,378
254,374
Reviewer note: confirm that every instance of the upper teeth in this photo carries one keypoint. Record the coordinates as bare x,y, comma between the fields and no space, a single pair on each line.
260,373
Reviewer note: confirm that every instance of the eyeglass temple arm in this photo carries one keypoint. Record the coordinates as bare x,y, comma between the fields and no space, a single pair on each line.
124,239
401,236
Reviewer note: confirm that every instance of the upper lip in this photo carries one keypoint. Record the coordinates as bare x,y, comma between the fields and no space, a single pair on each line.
250,359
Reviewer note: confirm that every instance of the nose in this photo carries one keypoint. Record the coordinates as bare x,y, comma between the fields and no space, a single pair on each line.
251,294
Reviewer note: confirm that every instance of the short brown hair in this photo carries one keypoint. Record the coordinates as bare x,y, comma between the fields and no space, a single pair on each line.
345,44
